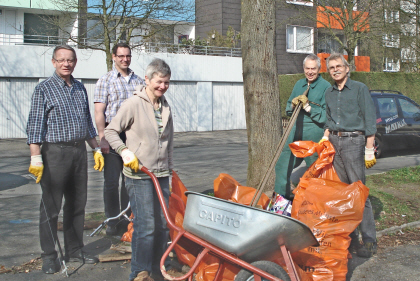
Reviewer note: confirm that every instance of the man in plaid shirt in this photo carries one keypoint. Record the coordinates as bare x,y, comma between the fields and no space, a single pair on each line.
59,123
111,91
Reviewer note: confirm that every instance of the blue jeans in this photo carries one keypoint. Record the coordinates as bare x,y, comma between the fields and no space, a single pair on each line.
349,163
112,173
150,232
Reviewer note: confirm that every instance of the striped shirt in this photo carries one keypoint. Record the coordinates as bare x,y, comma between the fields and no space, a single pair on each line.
59,113
112,89
158,117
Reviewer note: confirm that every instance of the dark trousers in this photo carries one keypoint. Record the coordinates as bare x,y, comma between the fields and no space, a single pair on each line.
112,193
349,163
65,174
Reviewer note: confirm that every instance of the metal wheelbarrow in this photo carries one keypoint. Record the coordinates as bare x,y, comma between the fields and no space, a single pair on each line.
237,234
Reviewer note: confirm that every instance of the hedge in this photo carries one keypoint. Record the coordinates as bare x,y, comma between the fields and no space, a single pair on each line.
406,83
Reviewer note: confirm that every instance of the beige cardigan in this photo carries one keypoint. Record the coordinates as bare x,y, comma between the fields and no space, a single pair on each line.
137,118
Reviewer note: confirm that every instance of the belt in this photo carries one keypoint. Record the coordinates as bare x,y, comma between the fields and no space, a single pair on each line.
347,134
69,143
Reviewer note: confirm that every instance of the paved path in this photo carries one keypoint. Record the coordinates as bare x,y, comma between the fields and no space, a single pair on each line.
199,158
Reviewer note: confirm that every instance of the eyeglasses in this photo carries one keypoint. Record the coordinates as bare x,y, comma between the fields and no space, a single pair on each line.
338,66
122,56
61,61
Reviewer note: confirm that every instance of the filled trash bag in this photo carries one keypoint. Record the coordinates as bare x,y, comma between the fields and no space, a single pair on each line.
331,208
186,251
226,187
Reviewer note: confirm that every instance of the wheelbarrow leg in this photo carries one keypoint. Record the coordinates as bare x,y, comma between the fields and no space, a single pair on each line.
219,270
257,277
289,264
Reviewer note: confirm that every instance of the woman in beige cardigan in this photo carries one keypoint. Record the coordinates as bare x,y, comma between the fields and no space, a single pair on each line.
147,121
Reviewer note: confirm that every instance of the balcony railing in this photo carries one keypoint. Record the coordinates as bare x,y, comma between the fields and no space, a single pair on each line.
146,47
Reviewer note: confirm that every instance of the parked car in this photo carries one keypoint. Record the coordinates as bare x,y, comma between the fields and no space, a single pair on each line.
397,121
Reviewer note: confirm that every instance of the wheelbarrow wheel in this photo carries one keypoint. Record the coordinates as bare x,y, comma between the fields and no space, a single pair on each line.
268,266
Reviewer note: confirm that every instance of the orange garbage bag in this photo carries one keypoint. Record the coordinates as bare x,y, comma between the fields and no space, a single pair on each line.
129,233
178,187
181,200
186,251
226,187
330,208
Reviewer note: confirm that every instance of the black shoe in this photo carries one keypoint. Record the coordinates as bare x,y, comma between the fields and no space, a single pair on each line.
83,258
50,266
111,230
367,250
354,246
123,226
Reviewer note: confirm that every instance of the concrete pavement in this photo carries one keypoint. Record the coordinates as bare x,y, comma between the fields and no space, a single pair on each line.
199,158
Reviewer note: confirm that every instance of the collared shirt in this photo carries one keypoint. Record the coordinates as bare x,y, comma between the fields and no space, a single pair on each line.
113,89
316,99
59,113
350,109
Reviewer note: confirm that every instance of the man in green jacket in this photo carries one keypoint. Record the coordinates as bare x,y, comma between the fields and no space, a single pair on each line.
309,124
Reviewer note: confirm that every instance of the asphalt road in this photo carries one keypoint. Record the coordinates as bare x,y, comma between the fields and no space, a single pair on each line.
199,158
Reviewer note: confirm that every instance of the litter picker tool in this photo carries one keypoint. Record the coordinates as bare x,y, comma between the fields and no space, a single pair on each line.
122,214
56,242
279,149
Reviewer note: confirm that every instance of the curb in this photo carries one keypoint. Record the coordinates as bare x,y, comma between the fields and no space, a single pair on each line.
395,229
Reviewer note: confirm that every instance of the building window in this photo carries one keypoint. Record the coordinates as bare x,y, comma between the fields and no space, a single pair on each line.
408,55
95,31
391,16
162,34
299,39
40,29
328,44
391,40
301,2
391,65
182,37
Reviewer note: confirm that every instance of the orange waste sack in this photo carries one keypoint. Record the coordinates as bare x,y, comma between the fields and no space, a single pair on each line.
330,208
207,268
226,187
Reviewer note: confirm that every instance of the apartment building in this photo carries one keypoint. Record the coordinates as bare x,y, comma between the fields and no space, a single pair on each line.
297,34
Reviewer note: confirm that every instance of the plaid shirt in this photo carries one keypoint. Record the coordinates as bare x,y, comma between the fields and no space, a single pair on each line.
59,113
112,89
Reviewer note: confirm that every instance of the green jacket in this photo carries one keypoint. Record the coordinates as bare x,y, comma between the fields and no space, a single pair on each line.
316,100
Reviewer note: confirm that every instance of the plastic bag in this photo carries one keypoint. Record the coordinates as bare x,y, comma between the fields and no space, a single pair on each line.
126,237
226,187
332,209
186,252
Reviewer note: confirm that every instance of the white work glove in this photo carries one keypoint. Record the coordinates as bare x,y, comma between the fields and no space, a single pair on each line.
36,167
307,107
370,159
130,160
324,138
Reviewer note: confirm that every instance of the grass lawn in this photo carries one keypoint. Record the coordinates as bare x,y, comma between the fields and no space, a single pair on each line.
395,196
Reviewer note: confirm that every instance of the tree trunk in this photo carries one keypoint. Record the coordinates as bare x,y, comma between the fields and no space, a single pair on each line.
82,18
261,89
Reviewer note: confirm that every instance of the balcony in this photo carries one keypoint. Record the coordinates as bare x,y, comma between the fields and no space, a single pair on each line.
146,47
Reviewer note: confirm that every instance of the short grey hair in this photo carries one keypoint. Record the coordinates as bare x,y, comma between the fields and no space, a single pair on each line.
158,66
313,57
66,47
336,56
